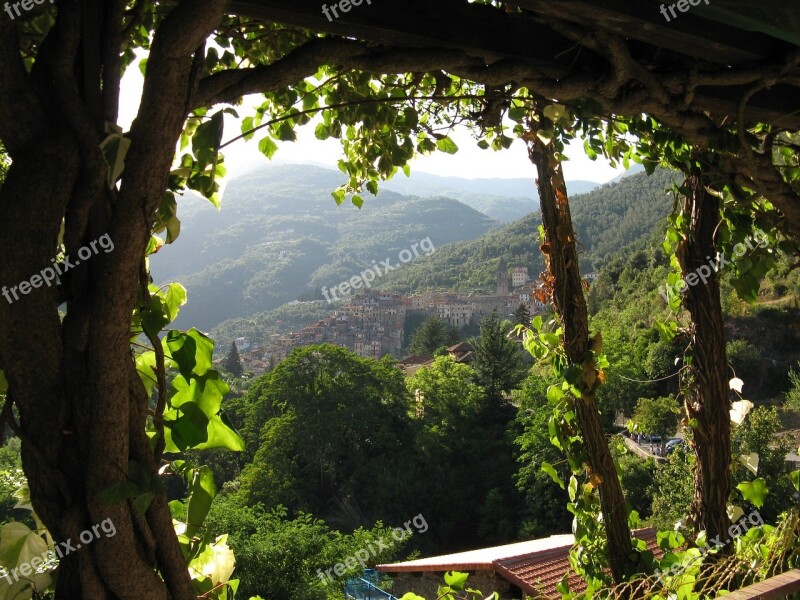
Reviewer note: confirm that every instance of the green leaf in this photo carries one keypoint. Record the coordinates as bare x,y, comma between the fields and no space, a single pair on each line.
221,434
754,491
555,112
322,132
338,196
447,145
145,366
208,138
550,470
267,147
118,492
285,132
19,545
202,491
545,135
174,298
573,488
206,391
669,540
142,502
247,128
357,200
185,427
456,579
795,477
191,350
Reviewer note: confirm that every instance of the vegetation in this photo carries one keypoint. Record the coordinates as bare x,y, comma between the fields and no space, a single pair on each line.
656,416
232,362
110,400
433,334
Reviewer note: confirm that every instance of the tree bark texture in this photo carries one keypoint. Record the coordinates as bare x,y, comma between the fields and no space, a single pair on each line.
568,299
82,407
707,397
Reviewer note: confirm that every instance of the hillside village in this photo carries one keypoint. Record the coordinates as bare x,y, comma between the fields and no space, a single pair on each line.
372,323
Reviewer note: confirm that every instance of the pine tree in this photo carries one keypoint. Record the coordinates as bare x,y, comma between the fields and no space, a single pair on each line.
431,335
232,362
498,360
522,315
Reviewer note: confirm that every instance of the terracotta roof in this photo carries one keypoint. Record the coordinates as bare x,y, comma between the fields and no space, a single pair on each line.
535,566
416,359
481,559
461,347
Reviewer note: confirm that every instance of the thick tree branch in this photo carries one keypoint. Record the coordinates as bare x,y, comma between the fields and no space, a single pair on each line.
304,61
22,118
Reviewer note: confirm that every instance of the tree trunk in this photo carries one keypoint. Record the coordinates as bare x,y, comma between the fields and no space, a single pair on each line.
706,398
82,406
569,302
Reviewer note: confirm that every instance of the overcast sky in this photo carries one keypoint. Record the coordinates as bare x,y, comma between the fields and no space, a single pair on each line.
469,162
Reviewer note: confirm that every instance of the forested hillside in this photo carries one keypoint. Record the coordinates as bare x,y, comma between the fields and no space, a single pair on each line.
608,218
280,236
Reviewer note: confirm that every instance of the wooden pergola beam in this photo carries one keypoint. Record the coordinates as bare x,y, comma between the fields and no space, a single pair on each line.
485,32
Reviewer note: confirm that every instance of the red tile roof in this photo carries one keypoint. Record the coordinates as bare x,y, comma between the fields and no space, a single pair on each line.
535,566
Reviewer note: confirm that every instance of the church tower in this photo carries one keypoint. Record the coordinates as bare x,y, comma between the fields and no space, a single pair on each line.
503,282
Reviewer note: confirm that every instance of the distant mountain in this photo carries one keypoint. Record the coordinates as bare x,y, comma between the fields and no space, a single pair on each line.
502,199
607,219
281,237
635,168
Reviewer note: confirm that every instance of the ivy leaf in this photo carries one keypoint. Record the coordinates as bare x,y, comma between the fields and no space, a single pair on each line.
555,112
739,410
754,491
221,434
285,132
207,140
202,491
19,545
191,350
550,470
456,579
185,427
750,461
206,391
114,148
669,540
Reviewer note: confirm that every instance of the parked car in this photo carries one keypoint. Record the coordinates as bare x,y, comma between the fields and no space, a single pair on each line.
650,439
675,444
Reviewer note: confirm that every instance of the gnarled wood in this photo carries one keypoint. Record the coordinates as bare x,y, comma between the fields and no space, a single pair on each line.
570,304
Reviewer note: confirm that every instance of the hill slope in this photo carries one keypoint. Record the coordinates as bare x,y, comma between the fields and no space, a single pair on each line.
502,199
606,219
280,237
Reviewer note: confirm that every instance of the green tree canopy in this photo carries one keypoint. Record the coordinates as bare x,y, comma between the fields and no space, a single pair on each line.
656,416
431,335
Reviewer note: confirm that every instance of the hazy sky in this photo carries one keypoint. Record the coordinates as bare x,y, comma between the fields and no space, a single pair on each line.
469,162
